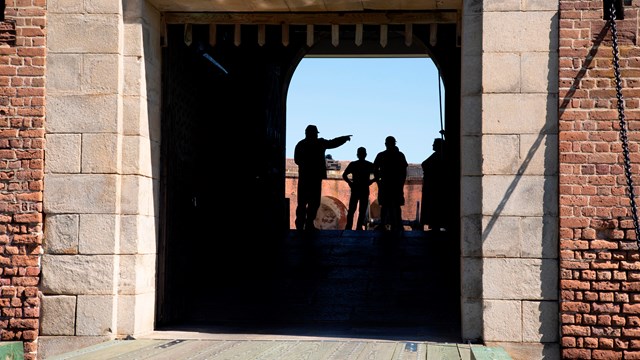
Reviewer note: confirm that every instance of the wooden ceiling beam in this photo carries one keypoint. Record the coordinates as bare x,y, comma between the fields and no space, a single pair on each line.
373,18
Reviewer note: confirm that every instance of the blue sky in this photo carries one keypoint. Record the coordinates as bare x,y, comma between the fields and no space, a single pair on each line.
369,98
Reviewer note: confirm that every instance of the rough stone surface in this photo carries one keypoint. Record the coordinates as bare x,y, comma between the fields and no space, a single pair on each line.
61,234
58,315
78,274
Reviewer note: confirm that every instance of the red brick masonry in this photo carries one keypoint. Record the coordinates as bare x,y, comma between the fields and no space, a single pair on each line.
22,114
599,261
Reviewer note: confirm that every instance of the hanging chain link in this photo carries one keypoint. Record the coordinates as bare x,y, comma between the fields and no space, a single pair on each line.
623,122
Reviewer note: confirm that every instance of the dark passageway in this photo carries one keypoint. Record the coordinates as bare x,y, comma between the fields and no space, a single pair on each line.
336,283
227,260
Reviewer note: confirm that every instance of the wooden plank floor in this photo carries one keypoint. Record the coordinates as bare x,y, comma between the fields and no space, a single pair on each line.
196,349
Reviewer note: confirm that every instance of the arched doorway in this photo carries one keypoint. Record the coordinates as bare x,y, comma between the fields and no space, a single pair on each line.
224,116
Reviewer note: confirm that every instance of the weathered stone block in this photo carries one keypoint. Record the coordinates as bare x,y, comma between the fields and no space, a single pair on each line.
471,278
471,236
137,274
81,193
501,237
538,154
504,5
136,314
78,274
96,315
134,44
521,25
100,73
540,72
63,153
537,5
471,82
500,154
103,7
58,315
101,153
471,37
138,234
471,319
518,195
501,73
137,156
540,237
61,234
471,162
528,351
519,114
135,116
63,73
63,35
138,195
154,119
99,234
49,346
65,6
509,278
540,321
471,116
134,79
471,200
502,320
82,114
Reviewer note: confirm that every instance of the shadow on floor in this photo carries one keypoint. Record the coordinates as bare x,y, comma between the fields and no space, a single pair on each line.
331,283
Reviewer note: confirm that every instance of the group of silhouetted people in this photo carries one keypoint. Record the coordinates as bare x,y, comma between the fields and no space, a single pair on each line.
388,170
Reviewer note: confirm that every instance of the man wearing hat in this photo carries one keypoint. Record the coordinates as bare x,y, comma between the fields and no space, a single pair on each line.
309,155
390,172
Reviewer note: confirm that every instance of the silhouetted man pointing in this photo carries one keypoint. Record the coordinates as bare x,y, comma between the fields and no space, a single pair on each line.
309,155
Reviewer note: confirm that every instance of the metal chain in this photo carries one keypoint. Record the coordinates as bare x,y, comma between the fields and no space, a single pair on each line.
623,122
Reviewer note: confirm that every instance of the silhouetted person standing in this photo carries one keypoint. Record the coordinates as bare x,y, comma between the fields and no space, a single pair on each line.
309,155
390,172
433,211
361,178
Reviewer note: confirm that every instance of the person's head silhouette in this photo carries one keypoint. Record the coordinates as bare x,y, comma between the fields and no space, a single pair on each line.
438,144
390,142
362,153
311,132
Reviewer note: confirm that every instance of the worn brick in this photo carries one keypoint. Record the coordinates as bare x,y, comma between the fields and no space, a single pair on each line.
606,354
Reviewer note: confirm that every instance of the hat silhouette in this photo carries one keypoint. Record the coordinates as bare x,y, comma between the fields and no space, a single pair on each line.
311,129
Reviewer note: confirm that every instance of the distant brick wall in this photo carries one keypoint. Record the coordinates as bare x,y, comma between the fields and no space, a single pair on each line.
22,114
337,188
599,261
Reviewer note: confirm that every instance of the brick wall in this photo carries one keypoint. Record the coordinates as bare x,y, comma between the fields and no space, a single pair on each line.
337,188
22,101
599,268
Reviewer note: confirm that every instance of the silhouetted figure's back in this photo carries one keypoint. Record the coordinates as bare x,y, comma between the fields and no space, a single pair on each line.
309,155
361,177
433,211
390,171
